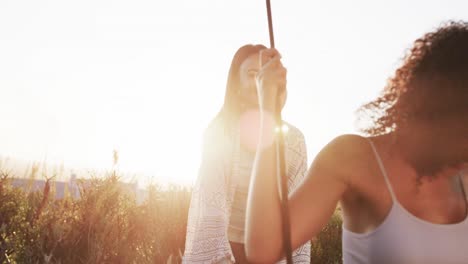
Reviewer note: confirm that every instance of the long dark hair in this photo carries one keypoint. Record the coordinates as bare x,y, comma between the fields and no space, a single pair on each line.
231,108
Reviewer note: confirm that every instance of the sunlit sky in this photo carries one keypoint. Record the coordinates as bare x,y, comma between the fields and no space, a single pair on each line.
79,79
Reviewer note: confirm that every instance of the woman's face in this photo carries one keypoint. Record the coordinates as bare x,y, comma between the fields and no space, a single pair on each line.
437,144
248,90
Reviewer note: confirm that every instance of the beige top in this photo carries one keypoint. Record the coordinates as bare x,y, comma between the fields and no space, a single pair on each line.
217,207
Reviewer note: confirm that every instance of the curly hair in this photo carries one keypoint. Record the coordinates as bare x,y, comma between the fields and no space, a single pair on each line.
429,91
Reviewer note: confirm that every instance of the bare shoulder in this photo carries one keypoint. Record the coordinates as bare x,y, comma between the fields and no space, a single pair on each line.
348,146
343,157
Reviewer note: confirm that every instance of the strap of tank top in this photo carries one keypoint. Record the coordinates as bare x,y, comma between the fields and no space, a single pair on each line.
462,183
382,169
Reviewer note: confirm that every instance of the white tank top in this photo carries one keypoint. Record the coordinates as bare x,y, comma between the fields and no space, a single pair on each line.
403,238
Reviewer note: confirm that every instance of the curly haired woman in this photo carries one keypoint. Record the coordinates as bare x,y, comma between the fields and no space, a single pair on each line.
400,187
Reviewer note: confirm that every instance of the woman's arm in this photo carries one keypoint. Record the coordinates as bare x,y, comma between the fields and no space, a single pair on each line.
312,204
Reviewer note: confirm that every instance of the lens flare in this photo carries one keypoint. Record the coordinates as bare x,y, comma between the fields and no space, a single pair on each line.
252,124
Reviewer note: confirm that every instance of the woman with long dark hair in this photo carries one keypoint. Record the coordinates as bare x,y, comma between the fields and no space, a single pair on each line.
401,186
215,230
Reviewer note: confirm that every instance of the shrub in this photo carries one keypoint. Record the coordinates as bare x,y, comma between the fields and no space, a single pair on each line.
106,225
326,247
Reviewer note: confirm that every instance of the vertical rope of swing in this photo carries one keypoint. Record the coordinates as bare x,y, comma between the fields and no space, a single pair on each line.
280,161
270,24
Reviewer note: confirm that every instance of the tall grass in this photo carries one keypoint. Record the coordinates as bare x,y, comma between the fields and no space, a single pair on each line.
106,225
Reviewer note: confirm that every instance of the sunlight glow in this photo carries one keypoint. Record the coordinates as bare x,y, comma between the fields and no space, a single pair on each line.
147,77
284,128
